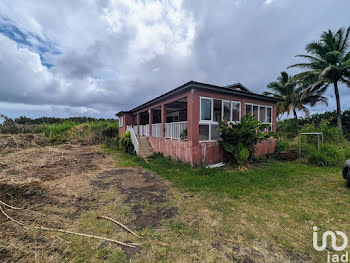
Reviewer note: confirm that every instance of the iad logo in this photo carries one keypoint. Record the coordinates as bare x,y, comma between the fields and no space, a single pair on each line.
335,247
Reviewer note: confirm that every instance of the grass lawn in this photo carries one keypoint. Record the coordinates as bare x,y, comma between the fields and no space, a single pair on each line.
264,214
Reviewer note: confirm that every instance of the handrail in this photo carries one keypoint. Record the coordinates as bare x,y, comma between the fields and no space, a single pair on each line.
133,137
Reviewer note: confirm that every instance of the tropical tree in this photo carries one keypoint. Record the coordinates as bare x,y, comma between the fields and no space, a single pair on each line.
328,64
294,94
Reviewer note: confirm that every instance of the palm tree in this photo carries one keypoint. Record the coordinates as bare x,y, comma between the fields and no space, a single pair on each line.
328,63
294,95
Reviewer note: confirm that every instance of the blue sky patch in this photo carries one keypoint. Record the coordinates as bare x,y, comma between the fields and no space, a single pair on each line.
29,40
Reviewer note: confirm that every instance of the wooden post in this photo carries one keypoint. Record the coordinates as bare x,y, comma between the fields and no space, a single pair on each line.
163,120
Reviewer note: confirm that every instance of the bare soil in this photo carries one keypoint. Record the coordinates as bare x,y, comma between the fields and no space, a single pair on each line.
56,184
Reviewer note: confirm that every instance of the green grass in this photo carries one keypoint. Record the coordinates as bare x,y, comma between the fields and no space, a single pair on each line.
60,133
278,203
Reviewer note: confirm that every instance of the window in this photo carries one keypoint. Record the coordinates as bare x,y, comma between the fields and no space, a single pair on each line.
214,133
217,110
206,109
261,112
249,109
121,121
256,112
226,110
236,112
204,132
213,111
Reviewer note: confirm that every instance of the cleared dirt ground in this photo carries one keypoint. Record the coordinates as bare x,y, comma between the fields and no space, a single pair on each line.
56,184
68,186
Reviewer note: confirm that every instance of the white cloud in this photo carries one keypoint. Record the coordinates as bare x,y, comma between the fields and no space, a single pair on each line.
111,52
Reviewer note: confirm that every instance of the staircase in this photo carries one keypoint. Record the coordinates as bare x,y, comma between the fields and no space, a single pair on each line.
145,149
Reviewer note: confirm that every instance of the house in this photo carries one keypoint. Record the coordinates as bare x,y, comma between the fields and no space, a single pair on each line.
182,123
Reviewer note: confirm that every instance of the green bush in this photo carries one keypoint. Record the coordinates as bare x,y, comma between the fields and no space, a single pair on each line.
329,155
330,134
239,139
282,145
125,142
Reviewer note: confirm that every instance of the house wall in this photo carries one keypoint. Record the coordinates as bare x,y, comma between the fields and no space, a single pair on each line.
175,149
128,120
193,151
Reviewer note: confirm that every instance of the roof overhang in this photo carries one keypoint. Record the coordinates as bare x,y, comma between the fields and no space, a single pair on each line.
244,92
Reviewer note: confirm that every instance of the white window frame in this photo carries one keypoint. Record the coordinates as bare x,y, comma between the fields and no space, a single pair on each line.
212,122
260,105
200,110
240,112
121,121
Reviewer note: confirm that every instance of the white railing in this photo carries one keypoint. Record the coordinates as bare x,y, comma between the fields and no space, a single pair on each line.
157,130
134,127
133,138
144,130
173,130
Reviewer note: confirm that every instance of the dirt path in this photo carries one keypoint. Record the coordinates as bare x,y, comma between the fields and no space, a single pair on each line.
58,184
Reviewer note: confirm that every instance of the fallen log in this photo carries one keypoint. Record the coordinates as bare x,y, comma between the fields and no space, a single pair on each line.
120,224
69,232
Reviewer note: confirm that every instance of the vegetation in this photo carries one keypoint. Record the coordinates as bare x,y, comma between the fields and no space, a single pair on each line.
90,132
239,139
278,204
125,142
292,94
39,125
328,64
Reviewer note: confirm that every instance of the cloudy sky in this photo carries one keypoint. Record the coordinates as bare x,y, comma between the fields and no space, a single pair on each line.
96,57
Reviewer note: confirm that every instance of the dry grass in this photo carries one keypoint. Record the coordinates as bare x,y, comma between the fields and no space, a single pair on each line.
194,215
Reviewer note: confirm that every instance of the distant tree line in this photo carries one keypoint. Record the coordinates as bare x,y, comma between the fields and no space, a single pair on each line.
53,120
288,126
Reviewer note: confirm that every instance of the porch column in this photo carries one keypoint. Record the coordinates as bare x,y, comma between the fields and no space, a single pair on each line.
150,120
138,123
193,126
163,120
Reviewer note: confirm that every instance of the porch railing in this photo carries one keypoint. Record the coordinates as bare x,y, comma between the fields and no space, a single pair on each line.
133,138
157,130
173,130
134,127
144,130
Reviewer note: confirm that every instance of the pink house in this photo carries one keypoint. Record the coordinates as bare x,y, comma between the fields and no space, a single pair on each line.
182,123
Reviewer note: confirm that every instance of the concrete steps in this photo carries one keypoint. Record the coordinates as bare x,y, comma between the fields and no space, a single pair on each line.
145,149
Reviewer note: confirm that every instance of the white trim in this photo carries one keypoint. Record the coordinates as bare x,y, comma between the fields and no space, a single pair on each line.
240,112
121,121
212,122
260,105
200,109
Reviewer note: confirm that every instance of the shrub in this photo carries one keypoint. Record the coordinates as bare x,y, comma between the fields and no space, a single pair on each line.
239,139
282,145
329,155
125,142
330,134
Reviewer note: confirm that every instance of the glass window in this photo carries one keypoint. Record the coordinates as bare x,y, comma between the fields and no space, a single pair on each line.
269,115
215,135
227,110
217,110
121,121
256,112
262,114
236,111
206,109
204,132
248,109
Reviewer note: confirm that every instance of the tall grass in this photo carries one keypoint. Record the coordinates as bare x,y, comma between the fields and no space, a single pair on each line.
92,132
